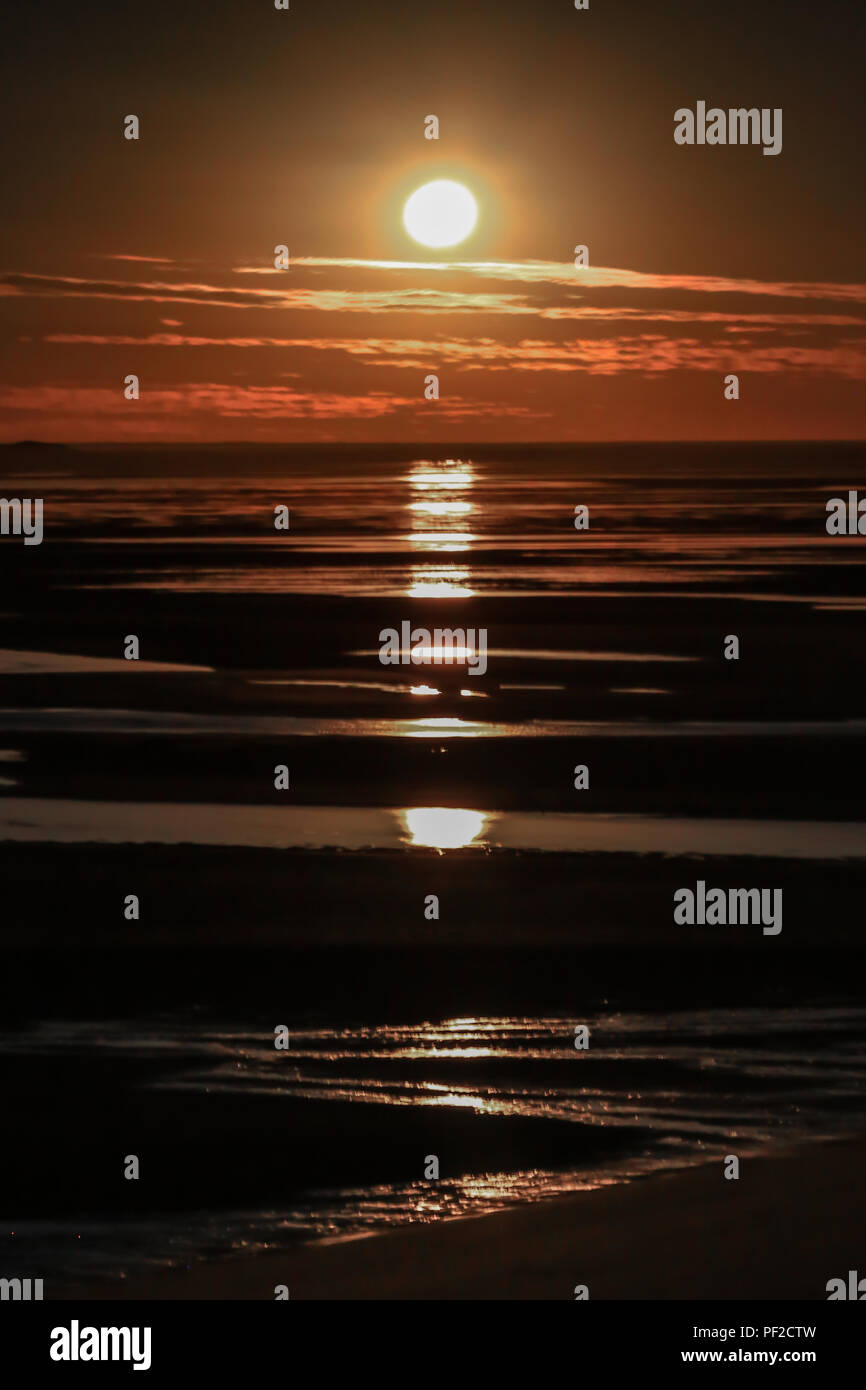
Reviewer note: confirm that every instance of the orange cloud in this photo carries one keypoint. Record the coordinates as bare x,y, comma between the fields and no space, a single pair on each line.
95,413
641,352
539,329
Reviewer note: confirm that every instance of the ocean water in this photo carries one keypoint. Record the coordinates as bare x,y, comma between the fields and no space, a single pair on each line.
679,521
653,1093
605,648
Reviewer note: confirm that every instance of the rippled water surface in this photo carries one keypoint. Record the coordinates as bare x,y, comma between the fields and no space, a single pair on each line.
672,1090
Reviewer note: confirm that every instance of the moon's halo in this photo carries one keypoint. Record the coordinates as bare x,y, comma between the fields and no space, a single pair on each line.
441,213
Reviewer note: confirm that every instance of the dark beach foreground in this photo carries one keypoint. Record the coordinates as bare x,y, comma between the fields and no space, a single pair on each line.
791,1222
205,909
705,1040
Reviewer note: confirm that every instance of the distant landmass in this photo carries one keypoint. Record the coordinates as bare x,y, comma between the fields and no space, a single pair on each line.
34,444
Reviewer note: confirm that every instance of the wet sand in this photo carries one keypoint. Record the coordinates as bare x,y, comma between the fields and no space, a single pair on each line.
792,1221
209,897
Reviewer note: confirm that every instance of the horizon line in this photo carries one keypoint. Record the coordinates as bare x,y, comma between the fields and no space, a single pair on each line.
425,444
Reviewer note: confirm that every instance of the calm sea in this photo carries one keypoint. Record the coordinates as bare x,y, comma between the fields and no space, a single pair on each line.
605,647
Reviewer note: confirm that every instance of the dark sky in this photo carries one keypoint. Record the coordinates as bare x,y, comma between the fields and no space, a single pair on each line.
305,127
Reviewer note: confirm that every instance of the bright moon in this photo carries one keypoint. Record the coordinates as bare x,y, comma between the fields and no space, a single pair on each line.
440,213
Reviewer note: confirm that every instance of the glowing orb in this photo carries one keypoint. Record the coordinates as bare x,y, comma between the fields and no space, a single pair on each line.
440,213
